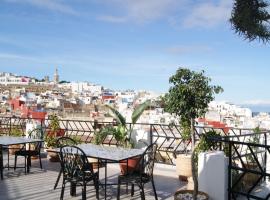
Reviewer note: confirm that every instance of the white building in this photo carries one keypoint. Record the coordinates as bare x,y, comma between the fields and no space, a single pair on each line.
80,87
9,79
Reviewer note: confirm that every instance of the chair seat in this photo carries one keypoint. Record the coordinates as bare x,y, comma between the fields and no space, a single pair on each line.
88,177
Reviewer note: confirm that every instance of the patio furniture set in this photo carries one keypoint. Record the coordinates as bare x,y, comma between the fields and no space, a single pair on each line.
78,171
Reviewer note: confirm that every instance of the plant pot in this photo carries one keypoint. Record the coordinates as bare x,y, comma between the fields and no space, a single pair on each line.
53,157
129,166
250,179
13,148
57,133
183,166
95,163
187,195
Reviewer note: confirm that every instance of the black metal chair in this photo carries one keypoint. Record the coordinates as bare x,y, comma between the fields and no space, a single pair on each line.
30,150
143,175
60,142
77,170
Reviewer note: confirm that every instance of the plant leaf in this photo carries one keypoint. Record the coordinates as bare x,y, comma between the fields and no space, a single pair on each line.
119,118
139,110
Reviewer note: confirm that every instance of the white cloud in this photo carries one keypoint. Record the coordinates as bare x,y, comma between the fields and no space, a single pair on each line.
208,14
54,5
184,49
113,19
257,102
142,11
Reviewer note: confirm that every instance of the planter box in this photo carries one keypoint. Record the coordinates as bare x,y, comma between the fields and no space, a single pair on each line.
183,166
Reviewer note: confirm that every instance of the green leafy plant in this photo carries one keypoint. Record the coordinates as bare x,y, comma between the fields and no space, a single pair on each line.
16,132
51,136
101,134
188,98
254,139
205,144
123,131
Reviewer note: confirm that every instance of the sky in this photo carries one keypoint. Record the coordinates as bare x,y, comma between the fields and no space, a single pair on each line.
133,44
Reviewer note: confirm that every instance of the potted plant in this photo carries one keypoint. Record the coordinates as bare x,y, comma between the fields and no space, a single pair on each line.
183,161
122,133
188,98
51,137
99,139
15,132
250,179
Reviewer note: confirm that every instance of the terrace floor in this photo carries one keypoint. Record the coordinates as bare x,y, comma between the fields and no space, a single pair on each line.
38,184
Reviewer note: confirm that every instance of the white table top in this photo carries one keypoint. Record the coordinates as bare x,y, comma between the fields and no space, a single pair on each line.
107,152
9,140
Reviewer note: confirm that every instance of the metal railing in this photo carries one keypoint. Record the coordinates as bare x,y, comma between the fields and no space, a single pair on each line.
168,137
249,165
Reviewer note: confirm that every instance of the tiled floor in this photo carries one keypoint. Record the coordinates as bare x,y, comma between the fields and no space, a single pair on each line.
38,184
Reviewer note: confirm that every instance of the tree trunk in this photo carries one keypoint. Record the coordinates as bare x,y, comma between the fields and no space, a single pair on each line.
193,162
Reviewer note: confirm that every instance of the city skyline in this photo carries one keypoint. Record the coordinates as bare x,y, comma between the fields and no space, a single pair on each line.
132,44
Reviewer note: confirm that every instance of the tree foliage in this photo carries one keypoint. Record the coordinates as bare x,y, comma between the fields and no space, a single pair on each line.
250,19
190,93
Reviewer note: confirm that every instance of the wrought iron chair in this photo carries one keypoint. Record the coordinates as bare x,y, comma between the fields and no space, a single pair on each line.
60,142
76,170
143,175
30,150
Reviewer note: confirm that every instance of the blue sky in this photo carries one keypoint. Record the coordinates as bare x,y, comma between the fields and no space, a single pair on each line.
132,44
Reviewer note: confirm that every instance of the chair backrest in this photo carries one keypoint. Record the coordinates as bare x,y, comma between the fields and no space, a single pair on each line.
36,133
65,140
74,163
148,160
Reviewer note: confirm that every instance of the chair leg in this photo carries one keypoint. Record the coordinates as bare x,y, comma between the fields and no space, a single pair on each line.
96,184
58,178
28,164
84,191
40,163
132,190
15,163
118,189
62,190
154,188
142,192
25,161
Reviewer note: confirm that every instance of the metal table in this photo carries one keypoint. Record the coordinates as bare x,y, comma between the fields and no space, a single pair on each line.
107,154
10,140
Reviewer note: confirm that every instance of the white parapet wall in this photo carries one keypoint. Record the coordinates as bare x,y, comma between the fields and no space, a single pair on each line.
213,174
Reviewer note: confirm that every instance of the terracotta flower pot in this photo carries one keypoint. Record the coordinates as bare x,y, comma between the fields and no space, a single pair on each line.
53,157
13,148
129,166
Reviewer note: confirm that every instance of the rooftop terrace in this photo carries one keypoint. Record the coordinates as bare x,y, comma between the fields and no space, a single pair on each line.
38,184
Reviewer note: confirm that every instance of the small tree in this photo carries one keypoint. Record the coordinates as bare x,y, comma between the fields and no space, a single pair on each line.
188,98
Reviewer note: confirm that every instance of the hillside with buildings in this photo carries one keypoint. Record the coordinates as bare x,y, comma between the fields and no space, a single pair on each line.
24,96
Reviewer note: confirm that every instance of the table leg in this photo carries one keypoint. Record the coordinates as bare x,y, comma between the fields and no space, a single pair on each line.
73,189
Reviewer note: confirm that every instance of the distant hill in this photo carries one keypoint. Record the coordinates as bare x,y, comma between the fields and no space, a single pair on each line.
258,108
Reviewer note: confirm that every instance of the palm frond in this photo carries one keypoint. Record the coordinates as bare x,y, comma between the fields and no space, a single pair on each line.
117,115
139,110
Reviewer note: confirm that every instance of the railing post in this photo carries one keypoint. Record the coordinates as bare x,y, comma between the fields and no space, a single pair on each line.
151,133
265,154
229,171
66,129
9,125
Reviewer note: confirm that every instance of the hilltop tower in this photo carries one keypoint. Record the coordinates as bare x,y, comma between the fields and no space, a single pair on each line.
56,76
